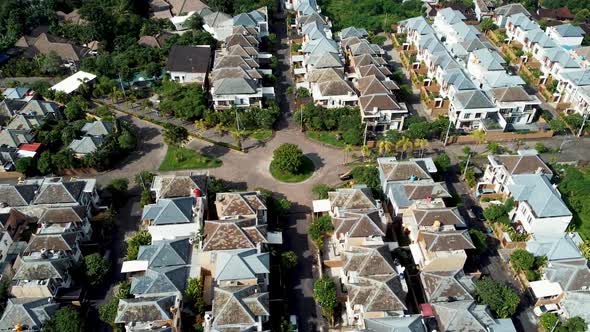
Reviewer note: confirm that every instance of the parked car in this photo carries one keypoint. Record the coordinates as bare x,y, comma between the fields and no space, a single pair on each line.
293,320
345,176
554,308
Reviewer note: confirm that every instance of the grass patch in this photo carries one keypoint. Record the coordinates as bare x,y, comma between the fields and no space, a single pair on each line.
261,134
326,137
306,171
178,158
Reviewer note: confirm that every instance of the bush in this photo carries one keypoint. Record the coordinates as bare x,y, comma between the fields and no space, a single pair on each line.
288,158
532,275
288,260
324,293
369,176
175,135
502,299
321,190
494,212
319,228
66,319
522,260
26,165
540,147
548,321
96,268
140,238
443,162
480,240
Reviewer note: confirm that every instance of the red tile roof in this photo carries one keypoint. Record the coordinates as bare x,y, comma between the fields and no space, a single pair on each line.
34,147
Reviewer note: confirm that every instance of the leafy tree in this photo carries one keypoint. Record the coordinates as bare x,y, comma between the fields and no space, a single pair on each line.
64,159
494,147
540,147
319,228
367,175
487,24
522,260
573,324
582,15
194,295
175,135
502,299
144,179
443,162
548,321
557,125
321,190
288,158
51,63
140,238
108,310
66,319
494,212
480,240
74,110
96,268
26,165
126,140
187,102
288,260
324,293
118,189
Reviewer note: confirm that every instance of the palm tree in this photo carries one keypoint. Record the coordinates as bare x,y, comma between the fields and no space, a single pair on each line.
385,147
219,129
365,150
347,149
131,99
479,135
421,143
404,145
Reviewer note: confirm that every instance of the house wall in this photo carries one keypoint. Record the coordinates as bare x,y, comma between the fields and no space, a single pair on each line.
546,227
564,41
186,77
336,101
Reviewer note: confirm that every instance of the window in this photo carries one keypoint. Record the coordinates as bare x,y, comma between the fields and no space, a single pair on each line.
477,115
467,116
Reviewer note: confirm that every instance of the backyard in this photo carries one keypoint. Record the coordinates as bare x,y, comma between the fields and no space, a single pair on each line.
179,158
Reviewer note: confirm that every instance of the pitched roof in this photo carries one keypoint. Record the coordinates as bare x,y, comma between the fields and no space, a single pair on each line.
406,323
238,307
579,77
190,59
17,195
234,72
231,61
145,309
233,234
186,6
160,280
359,198
462,316
565,247
358,224
241,264
216,19
522,164
320,45
57,242
166,253
571,274
374,103
365,60
60,192
441,216
489,60
325,75
60,215
234,86
86,145
512,94
45,44
447,240
98,128
38,107
371,85
353,32
458,79
472,100
511,9
536,189
369,261
377,294
569,30
418,24
444,286
451,16
173,186
41,270
313,17
239,39
338,87
170,211
15,137
325,60
31,312
238,204
394,171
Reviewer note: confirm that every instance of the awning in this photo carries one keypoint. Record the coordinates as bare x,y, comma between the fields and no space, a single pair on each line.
134,266
321,205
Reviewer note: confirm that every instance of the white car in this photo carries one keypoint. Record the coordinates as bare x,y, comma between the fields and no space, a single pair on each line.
554,308
293,320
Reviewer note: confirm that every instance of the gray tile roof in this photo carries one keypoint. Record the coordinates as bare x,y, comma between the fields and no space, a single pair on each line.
569,30
98,128
576,304
472,100
489,60
160,281
571,274
231,61
445,286
396,171
406,323
512,94
325,75
371,104
419,24
238,307
15,137
166,253
38,107
523,21
565,247
511,9
352,199
313,17
86,145
170,211
442,216
62,215
579,77
321,45
464,316
352,32
145,309
369,261
377,294
451,16
31,312
562,57
24,122
18,195
522,164
336,88
540,195
234,86
241,264
325,60
64,242
359,224
41,270
458,79
60,192
447,240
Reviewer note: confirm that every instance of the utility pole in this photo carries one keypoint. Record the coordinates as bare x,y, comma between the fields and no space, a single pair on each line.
583,124
365,134
122,88
448,131
466,165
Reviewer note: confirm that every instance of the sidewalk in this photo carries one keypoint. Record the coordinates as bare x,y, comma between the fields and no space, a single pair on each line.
209,135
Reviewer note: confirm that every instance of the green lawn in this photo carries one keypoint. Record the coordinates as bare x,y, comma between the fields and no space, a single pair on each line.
261,134
326,137
306,171
178,158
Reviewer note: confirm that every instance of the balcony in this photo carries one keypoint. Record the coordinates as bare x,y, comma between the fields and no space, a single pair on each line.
493,122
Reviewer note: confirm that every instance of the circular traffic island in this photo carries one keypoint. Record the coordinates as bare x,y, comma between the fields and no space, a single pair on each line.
289,164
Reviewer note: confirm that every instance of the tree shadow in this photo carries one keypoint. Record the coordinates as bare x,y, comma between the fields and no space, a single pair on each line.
318,161
215,150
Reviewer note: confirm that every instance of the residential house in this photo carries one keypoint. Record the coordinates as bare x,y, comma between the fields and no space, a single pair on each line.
516,107
469,109
431,219
160,281
468,316
413,323
27,314
65,220
441,250
557,248
45,44
566,35
14,223
502,13
517,25
241,205
155,41
153,312
446,286
174,186
167,211
53,247
555,14
189,64
19,93
85,146
334,94
244,308
15,137
242,267
539,209
218,24
545,292
72,83
484,9
40,278
373,284
487,66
